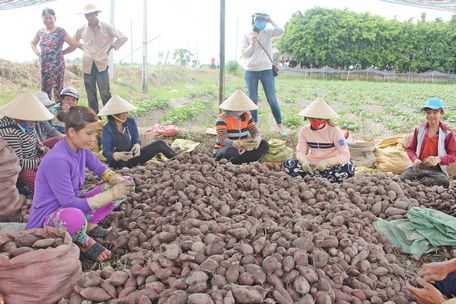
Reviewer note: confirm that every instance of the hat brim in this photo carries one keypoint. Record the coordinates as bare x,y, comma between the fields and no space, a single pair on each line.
90,11
431,108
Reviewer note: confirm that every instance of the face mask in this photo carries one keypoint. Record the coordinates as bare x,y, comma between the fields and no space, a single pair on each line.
118,119
317,123
260,25
237,113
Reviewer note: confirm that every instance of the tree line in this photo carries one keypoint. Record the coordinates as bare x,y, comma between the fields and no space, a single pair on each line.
345,39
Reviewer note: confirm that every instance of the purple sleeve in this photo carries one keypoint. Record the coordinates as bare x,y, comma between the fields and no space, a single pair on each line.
58,176
94,164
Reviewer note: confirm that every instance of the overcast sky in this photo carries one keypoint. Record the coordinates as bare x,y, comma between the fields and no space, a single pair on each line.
190,24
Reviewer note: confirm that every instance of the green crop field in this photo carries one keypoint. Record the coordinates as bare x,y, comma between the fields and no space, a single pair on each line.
189,98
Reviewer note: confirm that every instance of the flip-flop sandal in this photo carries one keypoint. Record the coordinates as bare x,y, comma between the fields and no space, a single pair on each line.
94,252
98,232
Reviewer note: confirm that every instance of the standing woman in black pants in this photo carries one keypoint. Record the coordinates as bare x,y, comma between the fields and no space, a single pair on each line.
120,137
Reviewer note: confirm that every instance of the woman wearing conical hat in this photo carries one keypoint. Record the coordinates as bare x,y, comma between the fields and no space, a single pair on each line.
17,127
322,150
234,127
120,137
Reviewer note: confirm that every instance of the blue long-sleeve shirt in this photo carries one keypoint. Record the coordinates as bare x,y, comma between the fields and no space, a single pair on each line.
109,138
59,179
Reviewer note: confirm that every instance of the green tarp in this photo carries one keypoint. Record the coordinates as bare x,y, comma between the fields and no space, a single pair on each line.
423,231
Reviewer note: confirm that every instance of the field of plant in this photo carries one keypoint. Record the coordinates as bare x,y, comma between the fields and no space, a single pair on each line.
188,98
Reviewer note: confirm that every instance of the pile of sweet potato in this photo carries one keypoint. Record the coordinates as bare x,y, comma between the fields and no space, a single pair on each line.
197,231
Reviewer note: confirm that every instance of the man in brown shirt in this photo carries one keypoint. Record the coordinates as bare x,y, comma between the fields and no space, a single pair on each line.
98,41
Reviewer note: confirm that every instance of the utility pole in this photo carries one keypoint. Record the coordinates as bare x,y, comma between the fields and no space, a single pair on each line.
222,52
236,43
111,54
144,63
131,40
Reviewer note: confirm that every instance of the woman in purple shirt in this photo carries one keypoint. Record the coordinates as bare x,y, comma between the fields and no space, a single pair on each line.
58,201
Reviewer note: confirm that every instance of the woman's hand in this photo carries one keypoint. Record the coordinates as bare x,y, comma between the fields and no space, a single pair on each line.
253,37
426,295
434,271
417,164
136,150
305,164
431,161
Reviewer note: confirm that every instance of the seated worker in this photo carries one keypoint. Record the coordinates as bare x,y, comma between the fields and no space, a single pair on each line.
234,125
69,97
120,137
58,201
17,129
47,134
438,281
432,148
322,150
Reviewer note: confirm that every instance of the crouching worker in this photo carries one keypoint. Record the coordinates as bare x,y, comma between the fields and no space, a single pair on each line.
234,126
58,201
438,282
322,150
120,137
17,128
432,148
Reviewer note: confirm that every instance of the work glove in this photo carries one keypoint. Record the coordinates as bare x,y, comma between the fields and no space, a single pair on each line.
125,156
323,165
417,164
136,150
117,192
117,179
305,164
257,140
431,161
237,144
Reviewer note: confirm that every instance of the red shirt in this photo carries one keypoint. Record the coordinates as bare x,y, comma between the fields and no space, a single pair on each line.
430,146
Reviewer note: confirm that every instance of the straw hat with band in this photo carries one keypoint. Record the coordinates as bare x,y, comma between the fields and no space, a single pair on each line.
116,105
319,109
90,8
238,102
26,107
44,98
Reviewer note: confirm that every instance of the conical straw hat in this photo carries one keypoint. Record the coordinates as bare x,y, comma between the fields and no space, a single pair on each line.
44,98
238,101
116,105
319,109
26,107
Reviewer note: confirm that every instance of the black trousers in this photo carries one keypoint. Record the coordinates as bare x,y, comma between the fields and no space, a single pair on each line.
232,154
146,154
427,176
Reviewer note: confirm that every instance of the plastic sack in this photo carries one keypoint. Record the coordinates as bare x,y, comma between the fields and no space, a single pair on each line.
184,145
278,151
166,130
391,155
39,276
362,153
10,199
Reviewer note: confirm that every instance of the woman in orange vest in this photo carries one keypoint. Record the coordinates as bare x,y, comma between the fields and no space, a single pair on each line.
234,127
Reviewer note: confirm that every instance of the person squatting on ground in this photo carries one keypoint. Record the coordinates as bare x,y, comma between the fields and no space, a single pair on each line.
120,137
98,41
322,150
50,40
17,128
257,54
438,282
58,201
432,148
234,125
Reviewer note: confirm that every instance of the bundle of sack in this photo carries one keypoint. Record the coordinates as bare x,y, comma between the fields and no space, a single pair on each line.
10,199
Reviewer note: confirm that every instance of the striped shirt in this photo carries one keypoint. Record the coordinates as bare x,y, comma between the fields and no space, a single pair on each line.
318,145
230,127
23,143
